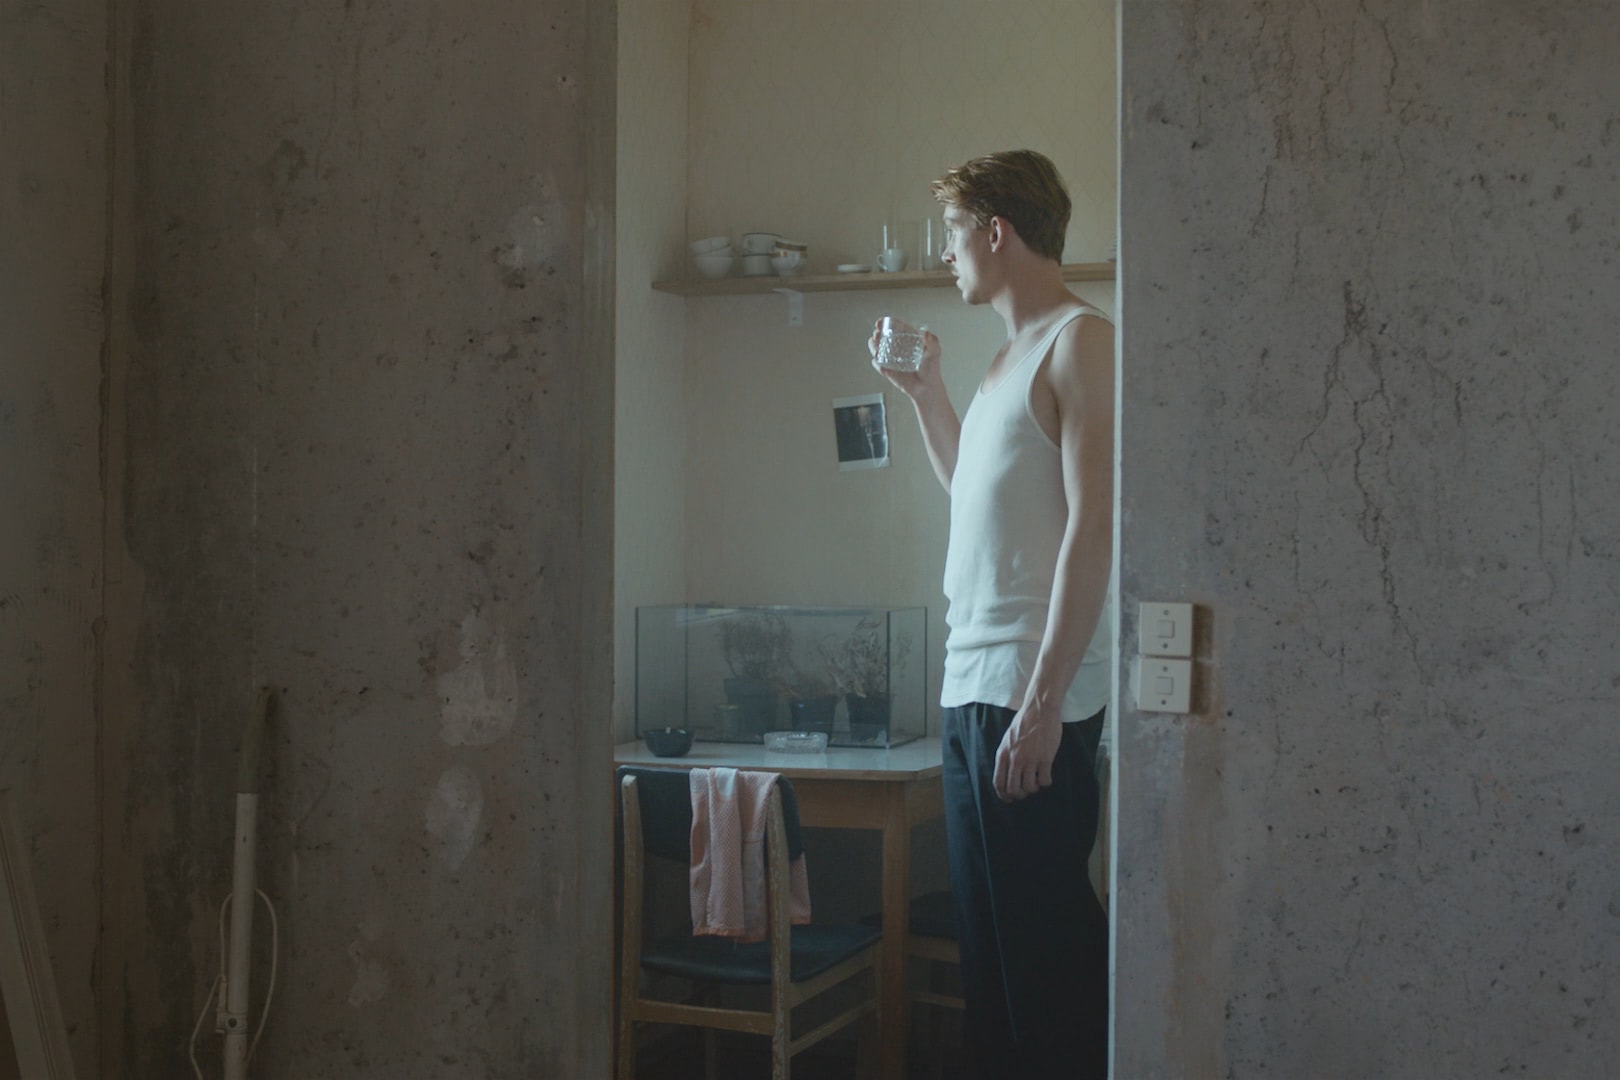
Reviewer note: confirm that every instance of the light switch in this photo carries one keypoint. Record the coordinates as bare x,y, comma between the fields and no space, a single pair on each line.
1164,685
1164,629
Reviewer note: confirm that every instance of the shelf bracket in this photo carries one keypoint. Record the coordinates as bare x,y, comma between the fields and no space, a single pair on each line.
795,304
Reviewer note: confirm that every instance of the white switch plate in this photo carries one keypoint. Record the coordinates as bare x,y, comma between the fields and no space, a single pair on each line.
1164,685
1164,629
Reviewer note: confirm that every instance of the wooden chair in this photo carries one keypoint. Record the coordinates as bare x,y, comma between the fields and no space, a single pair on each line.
797,963
931,938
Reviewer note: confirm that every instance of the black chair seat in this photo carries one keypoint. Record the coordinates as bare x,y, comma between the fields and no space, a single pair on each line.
815,949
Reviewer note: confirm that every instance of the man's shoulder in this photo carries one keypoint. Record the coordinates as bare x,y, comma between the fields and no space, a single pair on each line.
1086,316
1087,340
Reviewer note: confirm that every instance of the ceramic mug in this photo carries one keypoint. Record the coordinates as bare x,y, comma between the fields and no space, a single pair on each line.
892,259
759,243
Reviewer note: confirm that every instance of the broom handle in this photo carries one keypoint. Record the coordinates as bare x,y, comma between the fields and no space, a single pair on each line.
247,775
243,886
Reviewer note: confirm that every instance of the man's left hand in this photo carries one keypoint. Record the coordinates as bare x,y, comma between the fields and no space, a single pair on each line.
1024,759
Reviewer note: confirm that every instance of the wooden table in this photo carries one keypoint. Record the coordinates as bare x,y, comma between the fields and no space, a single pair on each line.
850,788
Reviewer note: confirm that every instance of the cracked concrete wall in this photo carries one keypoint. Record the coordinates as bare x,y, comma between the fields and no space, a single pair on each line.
53,238
1367,305
363,415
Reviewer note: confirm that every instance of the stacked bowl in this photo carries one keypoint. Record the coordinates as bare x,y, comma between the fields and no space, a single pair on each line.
788,257
712,256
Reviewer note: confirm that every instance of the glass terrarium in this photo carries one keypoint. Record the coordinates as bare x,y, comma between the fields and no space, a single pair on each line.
730,674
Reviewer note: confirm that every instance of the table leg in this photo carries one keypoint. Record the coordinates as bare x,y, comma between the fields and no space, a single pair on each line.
896,1000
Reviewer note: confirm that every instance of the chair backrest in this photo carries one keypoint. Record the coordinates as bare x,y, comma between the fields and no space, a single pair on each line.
655,791
665,804
665,797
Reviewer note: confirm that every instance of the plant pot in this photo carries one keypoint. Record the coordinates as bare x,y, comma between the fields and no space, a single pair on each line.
756,699
868,718
813,713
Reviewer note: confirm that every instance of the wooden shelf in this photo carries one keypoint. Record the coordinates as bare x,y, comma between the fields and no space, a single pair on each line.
905,279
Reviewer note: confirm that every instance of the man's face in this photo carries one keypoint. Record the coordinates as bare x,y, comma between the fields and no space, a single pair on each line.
966,245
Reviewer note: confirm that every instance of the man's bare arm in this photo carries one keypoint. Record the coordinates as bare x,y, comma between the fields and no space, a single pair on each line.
1081,374
941,428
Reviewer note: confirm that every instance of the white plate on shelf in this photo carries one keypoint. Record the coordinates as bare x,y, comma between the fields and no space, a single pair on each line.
854,268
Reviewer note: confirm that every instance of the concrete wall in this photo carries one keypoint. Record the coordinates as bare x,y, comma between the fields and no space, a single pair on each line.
363,421
53,238
1369,337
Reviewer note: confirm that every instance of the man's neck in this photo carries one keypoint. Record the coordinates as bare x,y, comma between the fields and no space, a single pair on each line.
1031,294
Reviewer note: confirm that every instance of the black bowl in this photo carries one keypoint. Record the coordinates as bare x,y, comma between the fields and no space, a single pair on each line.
670,742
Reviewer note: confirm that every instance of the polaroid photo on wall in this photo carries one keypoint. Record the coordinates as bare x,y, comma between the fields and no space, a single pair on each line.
862,430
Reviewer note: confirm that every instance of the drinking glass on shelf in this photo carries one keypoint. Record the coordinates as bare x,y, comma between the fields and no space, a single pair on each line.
930,244
893,256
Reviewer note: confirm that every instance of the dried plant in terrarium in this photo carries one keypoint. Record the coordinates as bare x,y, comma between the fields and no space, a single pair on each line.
816,680
859,664
756,645
812,693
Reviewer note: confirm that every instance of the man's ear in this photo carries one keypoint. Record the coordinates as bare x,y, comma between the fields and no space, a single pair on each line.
997,232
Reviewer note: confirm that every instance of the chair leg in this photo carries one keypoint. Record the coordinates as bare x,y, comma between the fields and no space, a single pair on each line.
936,1025
781,1064
627,1047
710,996
781,1031
869,1038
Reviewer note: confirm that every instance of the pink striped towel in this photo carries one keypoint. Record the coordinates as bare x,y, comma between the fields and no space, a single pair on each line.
728,856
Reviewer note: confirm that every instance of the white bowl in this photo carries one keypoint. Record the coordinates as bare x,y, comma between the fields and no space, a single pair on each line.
710,244
714,264
787,263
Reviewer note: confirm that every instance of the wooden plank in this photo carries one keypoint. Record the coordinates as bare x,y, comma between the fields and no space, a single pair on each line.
669,1012
840,804
868,282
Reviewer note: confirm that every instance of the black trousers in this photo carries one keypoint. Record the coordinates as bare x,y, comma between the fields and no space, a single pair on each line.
1034,937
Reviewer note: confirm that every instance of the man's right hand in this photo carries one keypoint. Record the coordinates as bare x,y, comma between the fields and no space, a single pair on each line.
941,430
910,383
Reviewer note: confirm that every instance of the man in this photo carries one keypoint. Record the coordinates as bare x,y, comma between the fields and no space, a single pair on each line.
1029,469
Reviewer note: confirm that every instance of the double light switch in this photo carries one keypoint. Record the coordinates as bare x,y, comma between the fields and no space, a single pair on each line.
1164,673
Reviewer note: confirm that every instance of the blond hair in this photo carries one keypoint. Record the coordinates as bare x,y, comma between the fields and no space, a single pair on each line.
1020,186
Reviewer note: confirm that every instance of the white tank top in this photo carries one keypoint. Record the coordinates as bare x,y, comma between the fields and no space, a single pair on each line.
1008,513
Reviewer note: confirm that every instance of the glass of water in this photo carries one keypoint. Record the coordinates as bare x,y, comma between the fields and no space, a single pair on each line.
900,345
